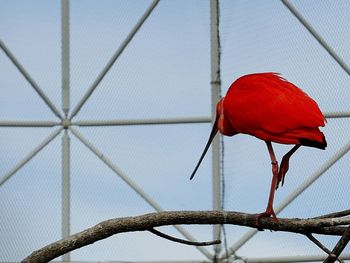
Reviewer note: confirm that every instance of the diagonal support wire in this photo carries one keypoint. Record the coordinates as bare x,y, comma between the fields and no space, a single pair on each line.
30,80
317,36
328,164
30,155
114,58
133,185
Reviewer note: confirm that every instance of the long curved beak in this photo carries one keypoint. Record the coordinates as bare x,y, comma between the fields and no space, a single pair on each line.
211,137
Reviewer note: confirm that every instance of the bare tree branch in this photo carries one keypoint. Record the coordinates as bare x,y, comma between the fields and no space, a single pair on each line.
339,247
320,245
326,226
182,241
336,214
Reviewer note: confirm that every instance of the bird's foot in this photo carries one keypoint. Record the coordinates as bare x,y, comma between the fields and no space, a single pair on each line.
266,214
285,165
283,169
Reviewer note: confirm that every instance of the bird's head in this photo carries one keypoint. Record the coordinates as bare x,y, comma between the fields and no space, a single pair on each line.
220,124
223,124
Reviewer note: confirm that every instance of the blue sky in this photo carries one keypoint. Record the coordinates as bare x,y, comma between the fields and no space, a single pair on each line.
164,72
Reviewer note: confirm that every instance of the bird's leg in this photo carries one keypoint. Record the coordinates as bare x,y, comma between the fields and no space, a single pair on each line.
285,164
269,209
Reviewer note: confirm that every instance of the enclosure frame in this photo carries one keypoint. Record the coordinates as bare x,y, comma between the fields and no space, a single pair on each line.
68,126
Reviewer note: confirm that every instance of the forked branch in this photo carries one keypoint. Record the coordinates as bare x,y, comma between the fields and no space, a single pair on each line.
326,226
339,247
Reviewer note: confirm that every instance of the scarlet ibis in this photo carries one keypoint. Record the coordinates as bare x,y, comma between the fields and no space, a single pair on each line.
267,106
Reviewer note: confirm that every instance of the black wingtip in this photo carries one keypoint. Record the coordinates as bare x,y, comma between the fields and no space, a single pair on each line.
320,145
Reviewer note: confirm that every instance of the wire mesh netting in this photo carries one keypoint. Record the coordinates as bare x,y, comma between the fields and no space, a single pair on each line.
163,73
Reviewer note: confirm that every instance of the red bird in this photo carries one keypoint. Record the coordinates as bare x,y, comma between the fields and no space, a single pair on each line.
274,110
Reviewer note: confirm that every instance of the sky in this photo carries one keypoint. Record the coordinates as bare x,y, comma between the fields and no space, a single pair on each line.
163,72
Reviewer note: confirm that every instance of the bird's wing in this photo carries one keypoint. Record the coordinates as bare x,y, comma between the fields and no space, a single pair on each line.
269,103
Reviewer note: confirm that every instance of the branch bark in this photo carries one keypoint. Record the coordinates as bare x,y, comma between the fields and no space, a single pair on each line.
326,226
321,246
339,247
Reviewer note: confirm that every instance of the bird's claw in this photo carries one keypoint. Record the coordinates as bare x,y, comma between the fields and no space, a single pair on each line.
268,213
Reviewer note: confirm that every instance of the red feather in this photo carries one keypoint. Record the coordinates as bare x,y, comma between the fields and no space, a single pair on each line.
272,109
